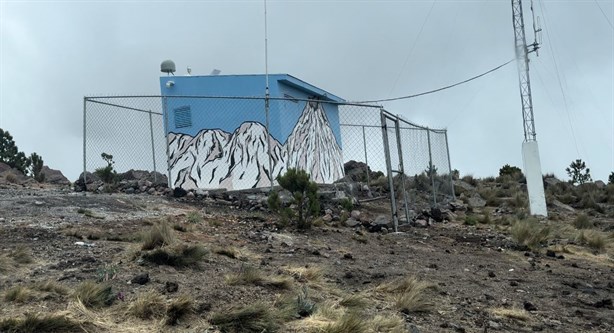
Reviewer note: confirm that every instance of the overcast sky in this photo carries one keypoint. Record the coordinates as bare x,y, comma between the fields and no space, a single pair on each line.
53,53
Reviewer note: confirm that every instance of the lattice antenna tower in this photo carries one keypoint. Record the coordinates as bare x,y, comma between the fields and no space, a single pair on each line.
530,150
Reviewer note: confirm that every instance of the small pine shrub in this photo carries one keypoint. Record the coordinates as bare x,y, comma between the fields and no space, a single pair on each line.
274,202
578,172
304,194
513,171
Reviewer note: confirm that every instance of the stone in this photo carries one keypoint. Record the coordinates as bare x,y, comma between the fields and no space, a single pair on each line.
492,274
328,212
561,205
457,206
529,306
141,279
422,223
327,218
355,214
351,222
178,192
436,214
129,190
54,176
151,190
600,184
494,325
190,195
382,220
476,201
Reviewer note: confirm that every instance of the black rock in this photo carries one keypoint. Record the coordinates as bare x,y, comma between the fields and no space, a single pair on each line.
141,279
171,287
529,306
491,274
178,192
513,283
550,253
604,303
436,214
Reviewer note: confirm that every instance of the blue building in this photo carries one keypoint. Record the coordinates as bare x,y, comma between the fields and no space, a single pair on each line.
221,140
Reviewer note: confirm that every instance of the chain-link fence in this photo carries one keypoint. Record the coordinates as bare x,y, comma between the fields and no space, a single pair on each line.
244,142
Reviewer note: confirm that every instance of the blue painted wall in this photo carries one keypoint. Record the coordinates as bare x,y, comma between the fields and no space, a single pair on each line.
229,114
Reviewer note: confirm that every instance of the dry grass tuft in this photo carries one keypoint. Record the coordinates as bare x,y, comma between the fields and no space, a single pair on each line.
228,251
94,295
194,217
256,318
177,256
306,274
389,324
593,239
354,302
530,233
52,287
148,305
7,264
409,294
582,222
40,324
518,314
160,234
179,308
18,294
249,275
351,322
22,255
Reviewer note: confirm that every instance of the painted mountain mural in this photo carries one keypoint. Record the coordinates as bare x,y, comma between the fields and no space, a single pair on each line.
239,160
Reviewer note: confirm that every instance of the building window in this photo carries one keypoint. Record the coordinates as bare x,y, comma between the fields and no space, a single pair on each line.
183,117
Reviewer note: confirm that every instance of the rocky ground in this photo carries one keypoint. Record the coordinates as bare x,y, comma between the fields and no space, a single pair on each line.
462,268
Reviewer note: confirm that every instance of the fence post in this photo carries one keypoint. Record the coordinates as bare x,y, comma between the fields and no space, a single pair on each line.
84,146
168,153
401,166
153,148
431,167
449,165
393,203
268,135
364,143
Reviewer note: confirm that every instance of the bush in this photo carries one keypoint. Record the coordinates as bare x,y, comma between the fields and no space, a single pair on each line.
273,201
611,178
159,235
37,167
513,171
10,154
108,173
578,172
304,194
593,239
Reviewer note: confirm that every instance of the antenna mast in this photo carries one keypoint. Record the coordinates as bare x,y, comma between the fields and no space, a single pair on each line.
266,94
530,150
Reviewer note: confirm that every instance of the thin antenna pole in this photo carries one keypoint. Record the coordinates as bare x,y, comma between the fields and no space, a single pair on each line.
266,94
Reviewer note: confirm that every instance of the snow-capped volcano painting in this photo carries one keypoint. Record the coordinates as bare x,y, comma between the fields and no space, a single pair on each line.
214,158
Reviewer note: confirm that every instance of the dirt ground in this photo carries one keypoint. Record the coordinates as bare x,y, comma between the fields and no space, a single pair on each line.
479,279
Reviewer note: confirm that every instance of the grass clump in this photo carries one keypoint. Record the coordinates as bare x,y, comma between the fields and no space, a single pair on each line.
94,295
582,222
194,217
256,318
7,264
518,314
409,294
40,324
351,322
529,233
51,287
593,239
22,255
178,256
353,302
159,235
389,324
18,294
306,274
470,220
249,275
147,306
228,251
179,308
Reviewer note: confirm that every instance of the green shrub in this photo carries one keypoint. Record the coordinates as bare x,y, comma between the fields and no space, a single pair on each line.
108,173
304,194
513,171
273,201
471,220
347,204
177,256
578,172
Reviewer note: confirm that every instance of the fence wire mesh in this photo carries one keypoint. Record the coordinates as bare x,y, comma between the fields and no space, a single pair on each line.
239,143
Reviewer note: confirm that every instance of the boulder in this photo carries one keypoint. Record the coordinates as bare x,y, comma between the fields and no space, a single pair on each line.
53,176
